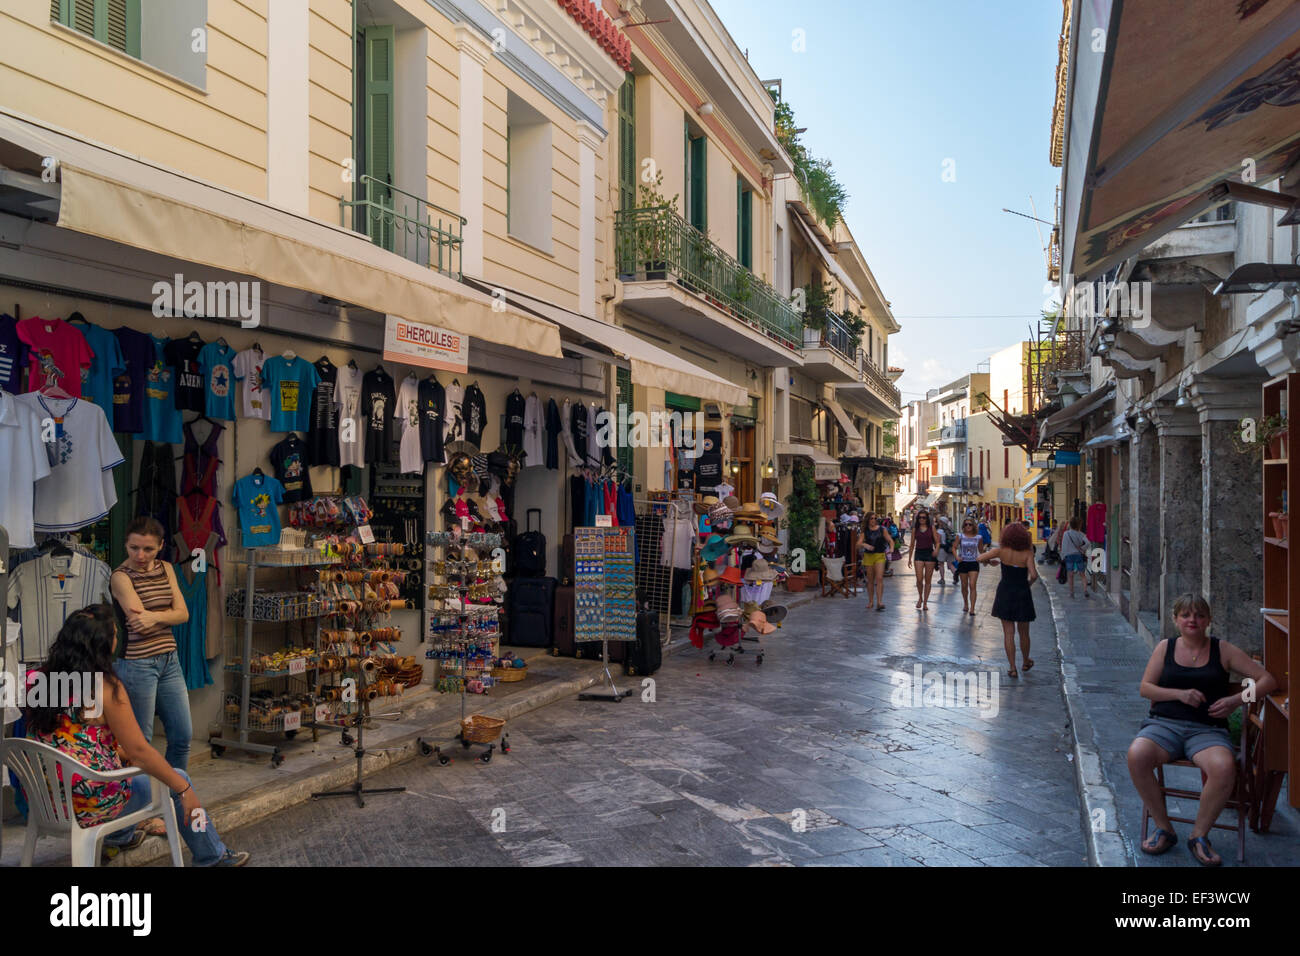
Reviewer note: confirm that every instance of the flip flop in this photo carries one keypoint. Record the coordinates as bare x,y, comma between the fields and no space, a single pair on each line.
1160,847
1204,844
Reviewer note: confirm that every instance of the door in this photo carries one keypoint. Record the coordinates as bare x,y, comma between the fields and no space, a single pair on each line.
742,449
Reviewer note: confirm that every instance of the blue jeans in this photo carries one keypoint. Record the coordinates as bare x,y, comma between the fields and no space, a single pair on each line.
156,685
204,843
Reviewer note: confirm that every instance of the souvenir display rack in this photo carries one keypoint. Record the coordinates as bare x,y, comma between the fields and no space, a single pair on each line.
605,603
397,501
463,636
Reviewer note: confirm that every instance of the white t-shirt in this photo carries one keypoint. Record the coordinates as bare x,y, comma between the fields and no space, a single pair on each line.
248,369
26,462
408,413
454,429
533,450
347,396
49,588
724,490
79,488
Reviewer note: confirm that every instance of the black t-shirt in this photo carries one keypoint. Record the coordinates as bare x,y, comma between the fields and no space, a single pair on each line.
709,464
607,421
475,412
431,401
578,426
515,419
378,402
685,478
553,426
191,390
291,460
323,438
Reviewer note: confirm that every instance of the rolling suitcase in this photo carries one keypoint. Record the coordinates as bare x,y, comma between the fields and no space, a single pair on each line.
646,654
531,606
567,560
562,632
529,559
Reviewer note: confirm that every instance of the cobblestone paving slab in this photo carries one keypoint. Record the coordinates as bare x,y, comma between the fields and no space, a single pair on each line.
805,760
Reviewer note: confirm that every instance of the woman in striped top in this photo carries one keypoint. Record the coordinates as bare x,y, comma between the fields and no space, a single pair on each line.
146,590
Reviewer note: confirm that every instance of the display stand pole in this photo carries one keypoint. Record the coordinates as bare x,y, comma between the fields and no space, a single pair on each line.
356,790
613,694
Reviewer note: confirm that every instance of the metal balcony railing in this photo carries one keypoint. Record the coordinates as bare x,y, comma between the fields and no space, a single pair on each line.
875,379
951,433
412,227
656,243
958,482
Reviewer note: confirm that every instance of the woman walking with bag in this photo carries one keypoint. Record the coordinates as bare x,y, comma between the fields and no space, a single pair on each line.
1013,603
922,546
1074,551
877,543
969,546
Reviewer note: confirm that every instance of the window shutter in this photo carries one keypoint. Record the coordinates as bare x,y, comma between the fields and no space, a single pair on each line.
627,144
122,25
379,129
82,16
744,224
56,11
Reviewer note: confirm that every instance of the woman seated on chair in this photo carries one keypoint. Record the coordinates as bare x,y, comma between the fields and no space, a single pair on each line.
111,739
1186,681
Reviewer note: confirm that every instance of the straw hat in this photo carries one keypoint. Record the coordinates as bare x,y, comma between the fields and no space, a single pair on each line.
742,534
759,571
709,577
751,512
759,622
731,576
732,502
728,609
703,505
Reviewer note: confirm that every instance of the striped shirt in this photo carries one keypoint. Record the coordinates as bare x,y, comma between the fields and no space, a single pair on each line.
154,590
49,588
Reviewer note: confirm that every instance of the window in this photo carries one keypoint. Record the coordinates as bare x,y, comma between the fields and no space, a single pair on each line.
528,174
627,144
744,224
115,22
697,190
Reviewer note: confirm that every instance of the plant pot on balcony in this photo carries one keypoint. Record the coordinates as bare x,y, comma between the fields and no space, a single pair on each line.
1280,522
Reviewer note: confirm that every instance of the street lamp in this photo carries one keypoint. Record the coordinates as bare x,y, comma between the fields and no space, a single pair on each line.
734,464
769,469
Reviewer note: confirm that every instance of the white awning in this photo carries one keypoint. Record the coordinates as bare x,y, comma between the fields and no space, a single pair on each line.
833,266
1030,484
118,197
856,448
1112,434
649,364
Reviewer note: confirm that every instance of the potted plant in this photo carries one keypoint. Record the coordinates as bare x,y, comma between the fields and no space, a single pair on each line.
803,508
654,236
1265,431
1280,521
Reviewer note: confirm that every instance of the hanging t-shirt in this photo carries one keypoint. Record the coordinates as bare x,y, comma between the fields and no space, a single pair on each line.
183,356
455,425
578,429
248,369
57,352
378,403
291,460
323,438
13,352
723,490
255,497
129,387
407,412
708,466
26,462
217,363
162,419
533,450
604,435
431,399
515,410
352,432
594,420
475,415
554,425
107,365
48,589
289,384
79,489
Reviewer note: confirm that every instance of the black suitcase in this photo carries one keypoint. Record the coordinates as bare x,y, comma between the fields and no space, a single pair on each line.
647,653
567,560
562,632
530,550
531,603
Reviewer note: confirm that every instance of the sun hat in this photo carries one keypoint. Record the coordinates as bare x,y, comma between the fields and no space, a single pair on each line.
732,502
751,512
727,609
759,622
714,547
731,576
708,577
775,613
742,534
703,505
759,571
771,506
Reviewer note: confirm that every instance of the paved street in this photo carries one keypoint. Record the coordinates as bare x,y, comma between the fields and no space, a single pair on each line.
717,768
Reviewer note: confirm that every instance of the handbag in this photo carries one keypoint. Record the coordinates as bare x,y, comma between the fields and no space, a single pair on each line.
1061,574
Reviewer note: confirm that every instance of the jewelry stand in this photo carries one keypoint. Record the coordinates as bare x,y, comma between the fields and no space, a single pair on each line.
356,790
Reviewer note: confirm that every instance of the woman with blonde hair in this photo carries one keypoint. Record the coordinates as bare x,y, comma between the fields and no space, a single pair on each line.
1187,682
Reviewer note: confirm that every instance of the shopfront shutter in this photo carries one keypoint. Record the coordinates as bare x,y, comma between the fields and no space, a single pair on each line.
627,144
379,130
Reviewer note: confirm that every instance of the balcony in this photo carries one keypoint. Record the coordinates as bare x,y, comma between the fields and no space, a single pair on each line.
873,392
957,483
675,275
830,354
953,433
407,225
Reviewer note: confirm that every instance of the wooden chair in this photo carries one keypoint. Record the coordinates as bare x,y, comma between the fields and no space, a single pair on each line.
1243,799
835,577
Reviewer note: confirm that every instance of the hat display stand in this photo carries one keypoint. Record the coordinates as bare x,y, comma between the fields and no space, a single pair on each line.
726,623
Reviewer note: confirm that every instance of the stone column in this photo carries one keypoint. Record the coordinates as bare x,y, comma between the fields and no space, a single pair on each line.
1123,496
1144,522
1181,516
1231,546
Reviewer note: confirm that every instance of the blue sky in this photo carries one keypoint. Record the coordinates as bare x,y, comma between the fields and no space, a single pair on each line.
888,91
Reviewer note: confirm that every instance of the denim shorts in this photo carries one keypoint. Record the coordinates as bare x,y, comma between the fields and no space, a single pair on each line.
1074,562
1183,739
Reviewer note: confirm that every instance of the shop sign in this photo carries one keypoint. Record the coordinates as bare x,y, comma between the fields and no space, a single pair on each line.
826,472
1006,496
417,343
604,521
1067,458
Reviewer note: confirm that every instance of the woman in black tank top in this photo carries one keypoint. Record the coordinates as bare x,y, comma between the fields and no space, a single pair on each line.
1188,683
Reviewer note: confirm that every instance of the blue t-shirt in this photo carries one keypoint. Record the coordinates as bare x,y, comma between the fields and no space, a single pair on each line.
162,419
13,355
217,364
129,387
289,386
105,367
256,497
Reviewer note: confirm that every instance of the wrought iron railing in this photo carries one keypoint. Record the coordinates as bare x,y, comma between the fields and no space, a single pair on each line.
412,227
656,243
958,482
875,379
837,337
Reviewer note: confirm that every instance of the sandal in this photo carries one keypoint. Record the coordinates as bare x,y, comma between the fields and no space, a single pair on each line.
1161,845
1012,672
1193,843
1028,665
880,607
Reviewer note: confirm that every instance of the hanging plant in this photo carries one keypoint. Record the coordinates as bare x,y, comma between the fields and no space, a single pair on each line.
1266,430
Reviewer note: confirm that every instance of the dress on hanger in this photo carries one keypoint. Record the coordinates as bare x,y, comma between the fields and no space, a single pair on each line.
192,636
156,490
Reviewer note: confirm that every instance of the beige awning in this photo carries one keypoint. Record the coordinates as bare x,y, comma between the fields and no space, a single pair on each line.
829,260
857,447
825,468
1070,416
117,197
649,364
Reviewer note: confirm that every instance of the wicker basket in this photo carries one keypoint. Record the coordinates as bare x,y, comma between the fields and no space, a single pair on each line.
481,729
507,675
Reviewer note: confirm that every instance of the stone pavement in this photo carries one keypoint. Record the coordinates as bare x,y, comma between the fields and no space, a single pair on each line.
1103,661
804,760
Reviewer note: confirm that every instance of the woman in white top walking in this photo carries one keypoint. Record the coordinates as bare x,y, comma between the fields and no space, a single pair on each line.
969,547
1074,550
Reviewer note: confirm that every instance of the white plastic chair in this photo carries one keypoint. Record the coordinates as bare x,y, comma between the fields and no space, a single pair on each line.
37,766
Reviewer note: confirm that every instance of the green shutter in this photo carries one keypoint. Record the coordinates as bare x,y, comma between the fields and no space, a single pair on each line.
681,403
744,224
379,130
699,206
627,144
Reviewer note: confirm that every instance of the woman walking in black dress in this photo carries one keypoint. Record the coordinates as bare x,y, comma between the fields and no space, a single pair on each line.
1013,603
